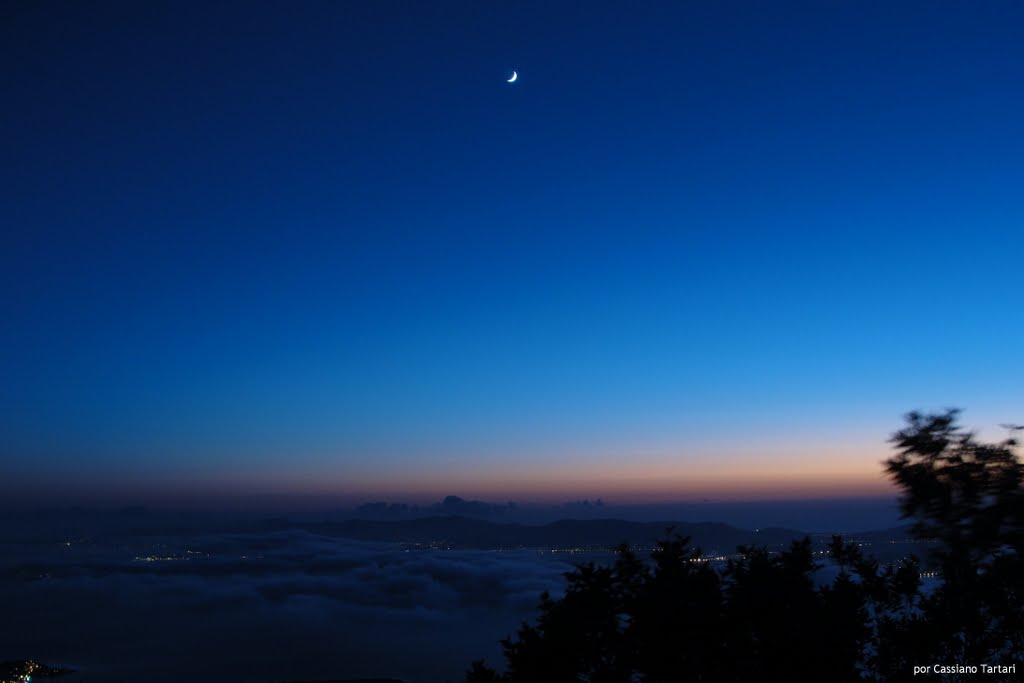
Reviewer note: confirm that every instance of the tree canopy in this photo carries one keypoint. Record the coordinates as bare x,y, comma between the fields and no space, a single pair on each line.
768,615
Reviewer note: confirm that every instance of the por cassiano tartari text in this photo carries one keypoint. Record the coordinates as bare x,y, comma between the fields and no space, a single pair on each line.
965,669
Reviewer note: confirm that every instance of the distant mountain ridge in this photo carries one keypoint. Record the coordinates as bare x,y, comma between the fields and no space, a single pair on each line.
458,532
355,680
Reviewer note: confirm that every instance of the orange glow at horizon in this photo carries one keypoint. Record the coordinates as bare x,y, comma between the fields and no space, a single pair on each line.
651,472
842,472
646,488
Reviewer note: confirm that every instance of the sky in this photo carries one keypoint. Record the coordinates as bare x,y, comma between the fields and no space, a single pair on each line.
697,251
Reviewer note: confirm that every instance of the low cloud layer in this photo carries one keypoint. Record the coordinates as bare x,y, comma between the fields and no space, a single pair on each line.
260,608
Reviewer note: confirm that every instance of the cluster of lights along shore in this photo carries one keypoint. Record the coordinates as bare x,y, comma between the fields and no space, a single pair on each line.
26,671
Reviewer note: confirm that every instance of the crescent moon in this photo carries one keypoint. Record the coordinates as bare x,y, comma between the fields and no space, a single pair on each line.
514,77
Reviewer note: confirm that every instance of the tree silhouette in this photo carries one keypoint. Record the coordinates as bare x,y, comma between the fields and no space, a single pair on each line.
674,618
967,495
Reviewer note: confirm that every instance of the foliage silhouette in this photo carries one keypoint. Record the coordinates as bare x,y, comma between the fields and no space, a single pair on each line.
968,496
674,618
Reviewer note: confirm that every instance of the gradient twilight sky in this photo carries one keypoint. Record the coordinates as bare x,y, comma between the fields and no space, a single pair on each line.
699,249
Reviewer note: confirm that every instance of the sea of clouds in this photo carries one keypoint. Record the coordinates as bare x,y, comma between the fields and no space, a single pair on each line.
262,607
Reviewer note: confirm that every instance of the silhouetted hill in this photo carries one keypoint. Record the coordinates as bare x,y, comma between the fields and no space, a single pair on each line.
467,533
354,680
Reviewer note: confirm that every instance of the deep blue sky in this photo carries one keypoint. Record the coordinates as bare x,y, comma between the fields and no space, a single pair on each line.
699,248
